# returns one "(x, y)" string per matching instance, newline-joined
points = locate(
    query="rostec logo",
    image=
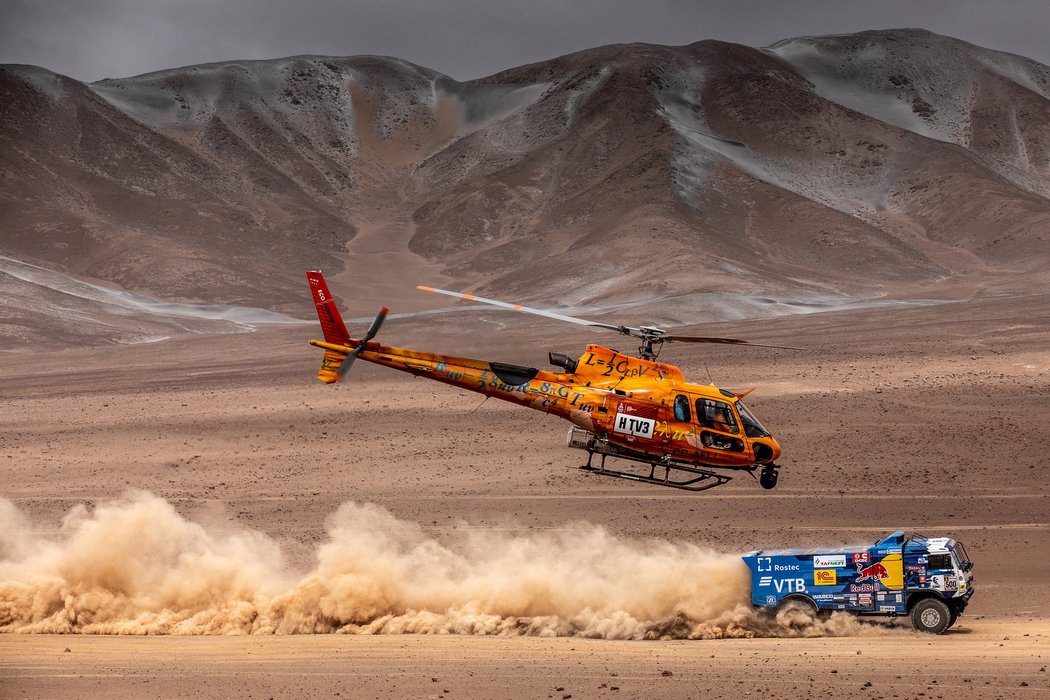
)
(861, 557)
(766, 564)
(829, 562)
(628, 425)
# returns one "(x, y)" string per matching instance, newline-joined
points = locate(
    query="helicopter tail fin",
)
(331, 322)
(331, 325)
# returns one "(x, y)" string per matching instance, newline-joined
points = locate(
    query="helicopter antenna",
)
(652, 338)
(708, 370)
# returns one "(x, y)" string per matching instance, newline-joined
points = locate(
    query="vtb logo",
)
(790, 585)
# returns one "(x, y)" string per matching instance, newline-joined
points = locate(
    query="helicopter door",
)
(718, 425)
(678, 428)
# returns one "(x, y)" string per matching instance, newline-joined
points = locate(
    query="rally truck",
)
(927, 578)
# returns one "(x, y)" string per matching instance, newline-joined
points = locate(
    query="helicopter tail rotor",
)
(345, 365)
(336, 363)
(339, 357)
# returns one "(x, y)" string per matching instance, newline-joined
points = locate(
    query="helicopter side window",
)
(681, 408)
(717, 415)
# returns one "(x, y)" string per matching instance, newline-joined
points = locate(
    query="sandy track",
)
(981, 659)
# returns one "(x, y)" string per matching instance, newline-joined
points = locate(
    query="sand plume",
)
(136, 566)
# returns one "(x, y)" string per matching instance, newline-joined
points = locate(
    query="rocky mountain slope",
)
(721, 179)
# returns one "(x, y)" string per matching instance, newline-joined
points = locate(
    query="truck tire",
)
(954, 618)
(931, 615)
(801, 602)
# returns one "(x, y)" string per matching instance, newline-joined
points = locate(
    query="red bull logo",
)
(872, 572)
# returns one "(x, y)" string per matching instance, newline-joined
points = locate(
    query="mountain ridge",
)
(889, 163)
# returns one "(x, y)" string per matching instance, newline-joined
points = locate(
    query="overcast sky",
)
(94, 39)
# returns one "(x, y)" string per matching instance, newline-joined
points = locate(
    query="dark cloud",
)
(464, 38)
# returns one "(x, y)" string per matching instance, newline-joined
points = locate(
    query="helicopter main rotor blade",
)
(724, 341)
(653, 335)
(527, 310)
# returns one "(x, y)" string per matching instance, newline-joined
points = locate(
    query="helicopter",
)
(634, 409)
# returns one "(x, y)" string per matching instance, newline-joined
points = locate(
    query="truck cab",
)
(929, 579)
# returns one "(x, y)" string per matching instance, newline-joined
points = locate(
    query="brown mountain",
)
(892, 163)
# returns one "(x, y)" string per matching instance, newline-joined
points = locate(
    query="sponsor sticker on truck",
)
(825, 577)
(829, 561)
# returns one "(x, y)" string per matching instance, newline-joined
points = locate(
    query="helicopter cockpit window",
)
(681, 408)
(716, 414)
(752, 428)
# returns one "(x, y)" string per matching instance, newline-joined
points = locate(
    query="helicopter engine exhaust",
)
(558, 359)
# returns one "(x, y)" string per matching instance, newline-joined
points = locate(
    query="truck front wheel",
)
(931, 615)
(799, 602)
(804, 604)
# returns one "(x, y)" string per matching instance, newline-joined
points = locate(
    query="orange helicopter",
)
(631, 408)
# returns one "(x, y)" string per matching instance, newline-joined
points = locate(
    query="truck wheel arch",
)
(916, 598)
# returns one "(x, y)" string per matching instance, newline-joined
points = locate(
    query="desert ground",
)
(249, 479)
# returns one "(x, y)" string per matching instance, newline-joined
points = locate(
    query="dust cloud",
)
(136, 566)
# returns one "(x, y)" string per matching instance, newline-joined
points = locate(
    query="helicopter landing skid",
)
(690, 479)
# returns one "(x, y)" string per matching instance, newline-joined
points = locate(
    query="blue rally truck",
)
(926, 578)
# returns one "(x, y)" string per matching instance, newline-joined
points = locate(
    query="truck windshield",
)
(752, 428)
(964, 560)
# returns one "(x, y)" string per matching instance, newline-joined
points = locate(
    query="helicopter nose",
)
(776, 448)
(767, 449)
